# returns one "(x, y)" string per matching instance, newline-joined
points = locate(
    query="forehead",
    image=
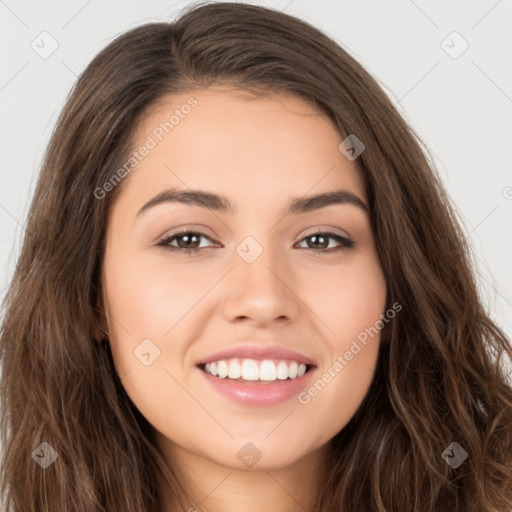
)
(249, 148)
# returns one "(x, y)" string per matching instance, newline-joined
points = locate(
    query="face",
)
(298, 285)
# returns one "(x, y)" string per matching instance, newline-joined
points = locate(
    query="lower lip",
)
(258, 393)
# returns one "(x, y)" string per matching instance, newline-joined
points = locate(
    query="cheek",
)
(340, 387)
(144, 303)
(349, 301)
(347, 298)
(148, 298)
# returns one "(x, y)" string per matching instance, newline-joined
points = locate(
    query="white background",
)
(461, 107)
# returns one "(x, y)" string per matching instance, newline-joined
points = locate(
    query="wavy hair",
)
(440, 377)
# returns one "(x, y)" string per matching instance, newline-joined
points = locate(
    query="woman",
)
(324, 349)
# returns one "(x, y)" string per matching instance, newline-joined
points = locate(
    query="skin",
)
(260, 153)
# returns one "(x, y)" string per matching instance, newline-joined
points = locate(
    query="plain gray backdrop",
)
(443, 63)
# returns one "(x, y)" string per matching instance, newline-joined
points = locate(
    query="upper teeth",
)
(250, 369)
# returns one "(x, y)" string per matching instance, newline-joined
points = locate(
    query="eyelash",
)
(345, 243)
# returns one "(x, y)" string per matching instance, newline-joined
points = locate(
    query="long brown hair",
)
(440, 378)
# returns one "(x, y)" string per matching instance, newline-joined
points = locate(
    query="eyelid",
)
(322, 229)
(328, 228)
(198, 228)
(182, 231)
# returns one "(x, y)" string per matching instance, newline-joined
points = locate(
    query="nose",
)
(263, 291)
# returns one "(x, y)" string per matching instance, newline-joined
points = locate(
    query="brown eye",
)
(189, 243)
(320, 240)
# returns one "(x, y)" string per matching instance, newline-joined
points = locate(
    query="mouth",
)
(257, 383)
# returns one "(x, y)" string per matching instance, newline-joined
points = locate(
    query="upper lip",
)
(256, 351)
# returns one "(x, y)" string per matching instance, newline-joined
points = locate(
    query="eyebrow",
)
(222, 204)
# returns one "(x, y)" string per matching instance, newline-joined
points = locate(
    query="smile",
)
(257, 383)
